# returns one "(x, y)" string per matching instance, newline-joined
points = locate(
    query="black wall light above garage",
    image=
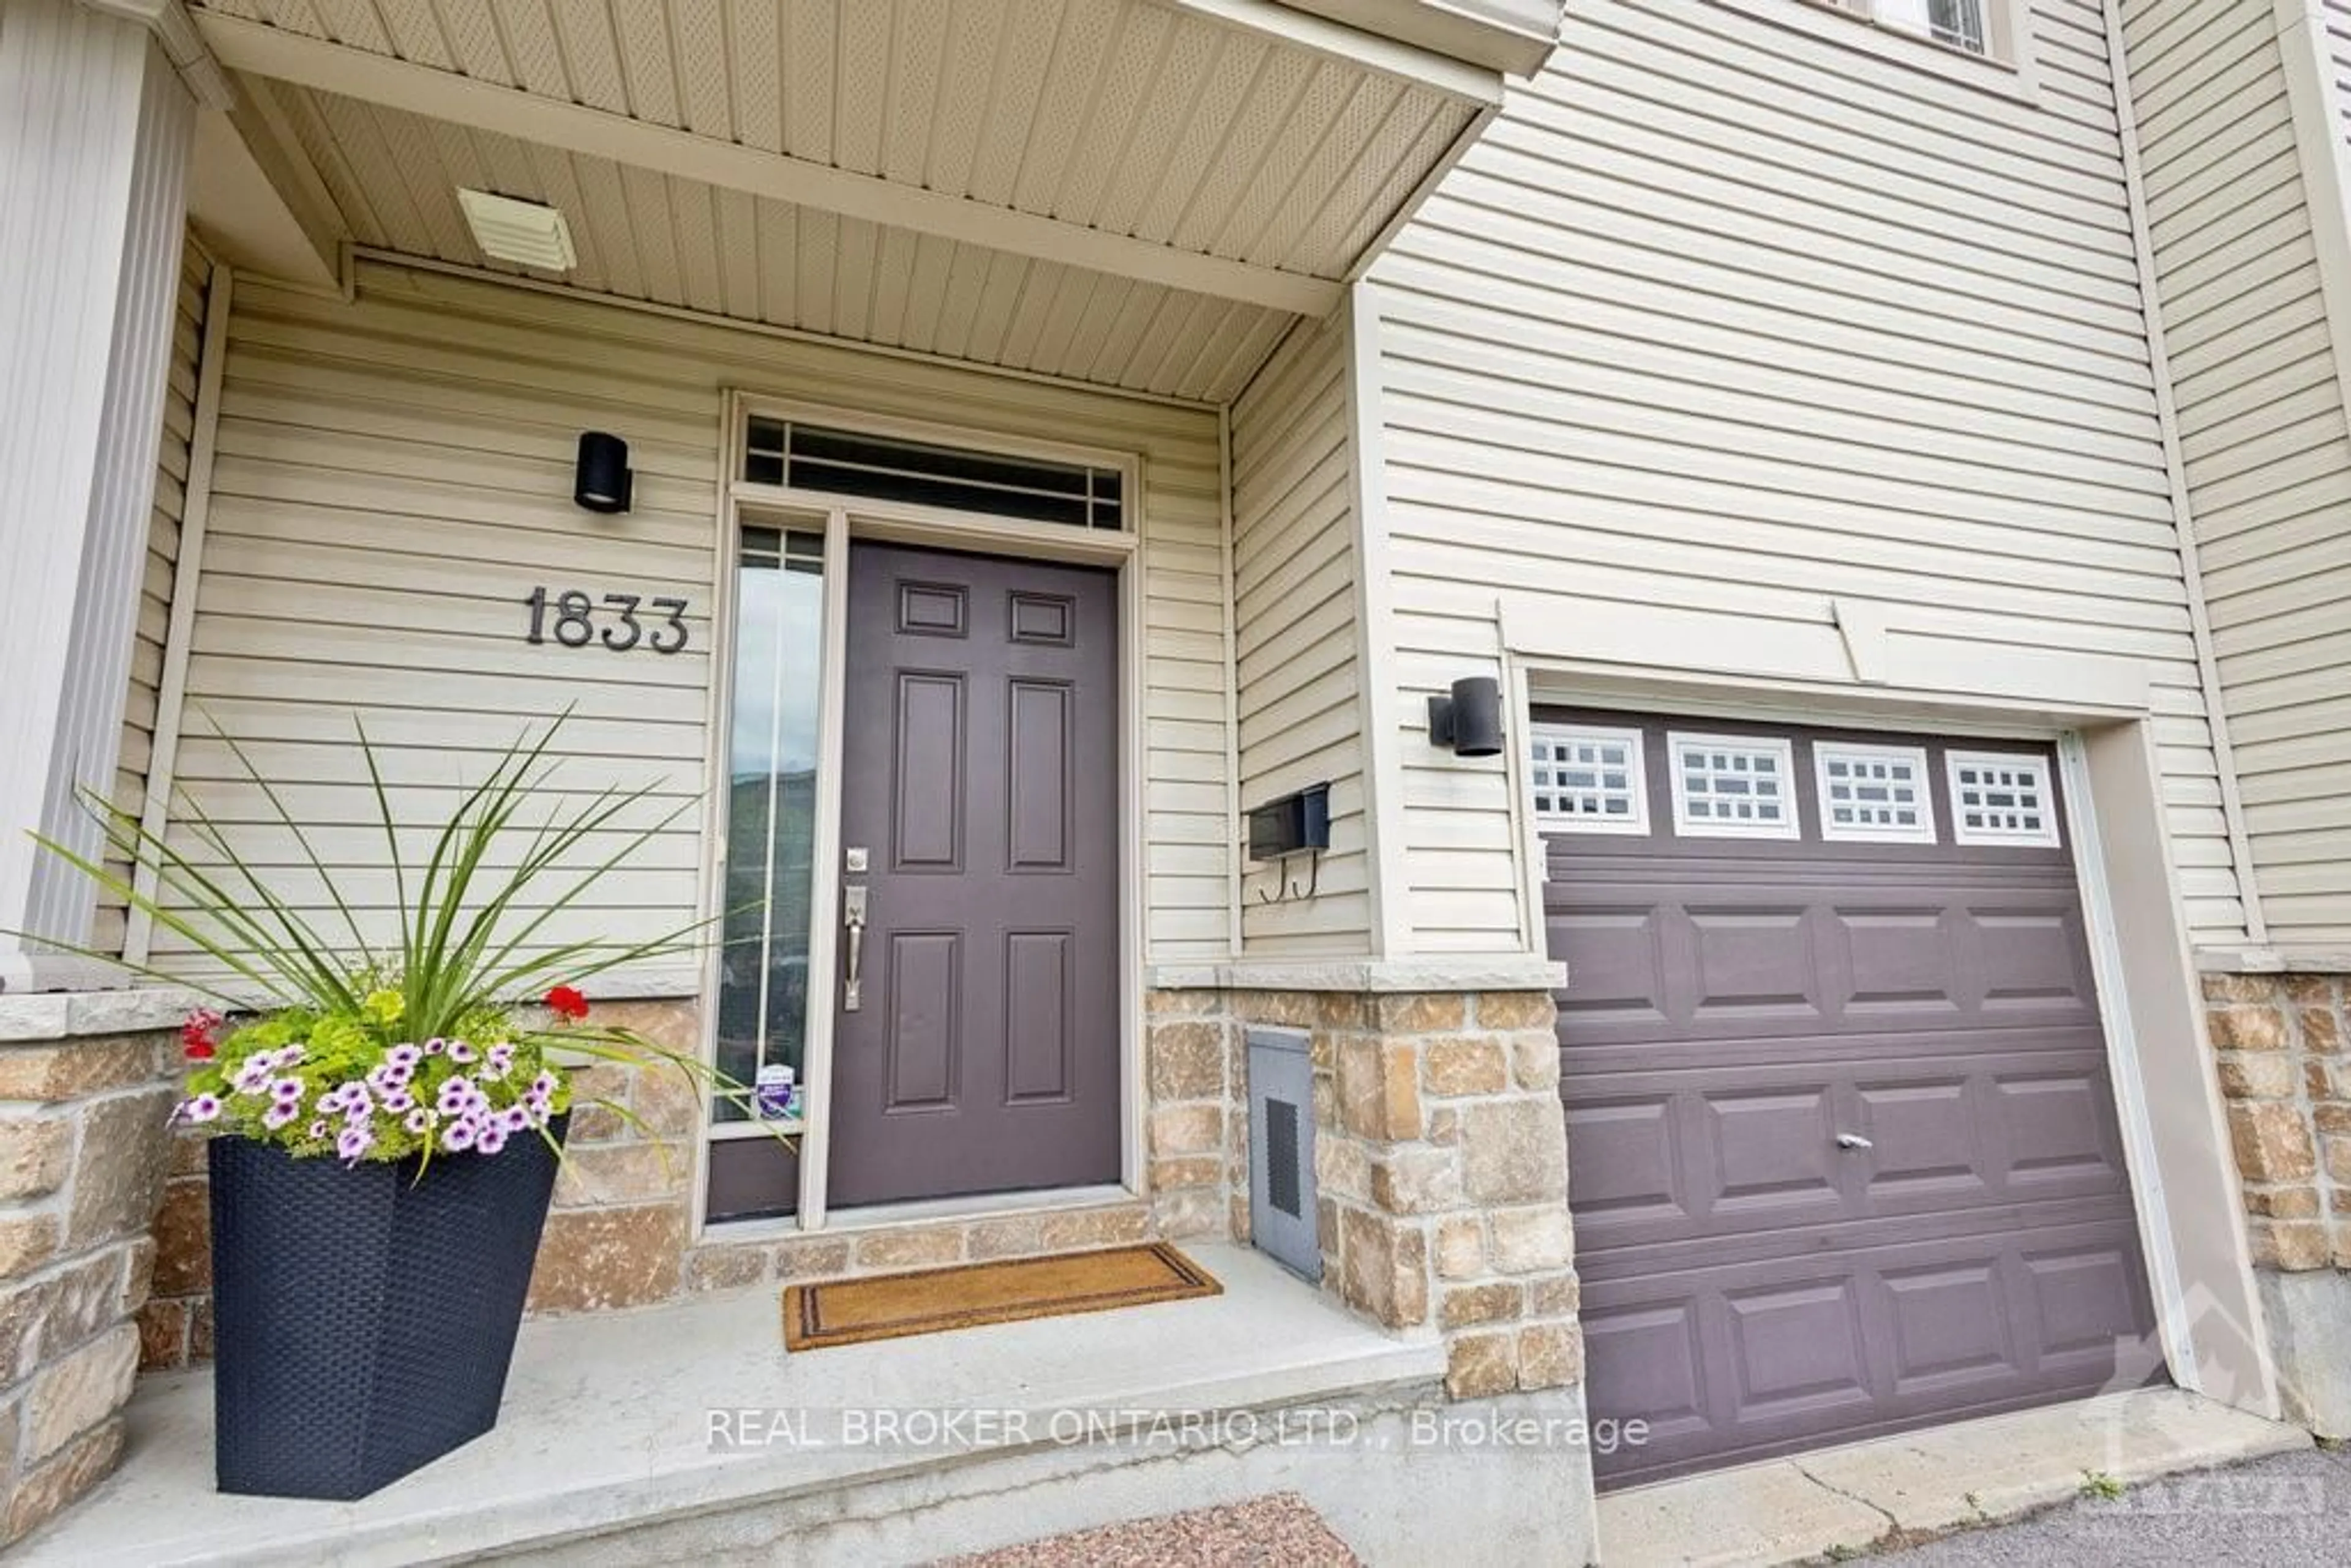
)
(1470, 721)
(602, 482)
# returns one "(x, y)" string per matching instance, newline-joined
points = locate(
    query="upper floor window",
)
(1961, 24)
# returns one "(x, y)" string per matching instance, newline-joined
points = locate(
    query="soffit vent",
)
(527, 234)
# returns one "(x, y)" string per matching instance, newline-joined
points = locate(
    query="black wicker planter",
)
(363, 1320)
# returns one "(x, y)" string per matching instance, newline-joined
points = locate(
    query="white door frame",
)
(842, 520)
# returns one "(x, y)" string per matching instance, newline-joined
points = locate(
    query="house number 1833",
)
(574, 620)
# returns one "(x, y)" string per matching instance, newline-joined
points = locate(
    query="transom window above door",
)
(803, 457)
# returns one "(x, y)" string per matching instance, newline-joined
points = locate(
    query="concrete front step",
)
(684, 1433)
(1841, 1500)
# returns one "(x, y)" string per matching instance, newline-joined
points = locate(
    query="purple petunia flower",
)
(201, 1108)
(355, 1141)
(279, 1114)
(456, 1095)
(458, 1135)
(399, 1100)
(419, 1120)
(404, 1057)
(285, 1091)
(316, 1129)
(514, 1119)
(253, 1076)
(543, 1085)
(493, 1138)
(435, 1047)
(462, 1053)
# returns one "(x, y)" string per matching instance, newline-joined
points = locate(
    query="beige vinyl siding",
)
(2266, 451)
(169, 509)
(1726, 315)
(2337, 64)
(394, 477)
(1294, 594)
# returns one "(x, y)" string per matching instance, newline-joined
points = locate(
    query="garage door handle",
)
(1854, 1141)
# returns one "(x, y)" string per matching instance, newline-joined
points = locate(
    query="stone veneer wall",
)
(2281, 1041)
(1440, 1162)
(621, 1232)
(83, 1147)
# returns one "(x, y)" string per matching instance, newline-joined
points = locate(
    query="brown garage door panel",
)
(1734, 1361)
(1742, 1147)
(1843, 1153)
(1802, 951)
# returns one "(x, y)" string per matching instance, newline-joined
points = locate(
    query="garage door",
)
(1842, 1152)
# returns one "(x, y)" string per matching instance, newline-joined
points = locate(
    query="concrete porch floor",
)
(1838, 1501)
(604, 1448)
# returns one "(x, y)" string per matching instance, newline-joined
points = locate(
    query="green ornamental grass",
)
(433, 1047)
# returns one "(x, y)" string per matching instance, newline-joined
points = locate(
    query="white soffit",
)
(1228, 153)
(646, 237)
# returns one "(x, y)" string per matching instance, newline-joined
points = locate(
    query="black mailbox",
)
(1292, 825)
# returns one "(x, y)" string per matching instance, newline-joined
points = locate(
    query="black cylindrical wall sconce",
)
(1470, 721)
(602, 481)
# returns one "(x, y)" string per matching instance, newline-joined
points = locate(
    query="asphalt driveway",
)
(2279, 1512)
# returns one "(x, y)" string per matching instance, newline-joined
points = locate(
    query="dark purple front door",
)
(980, 778)
(1843, 1153)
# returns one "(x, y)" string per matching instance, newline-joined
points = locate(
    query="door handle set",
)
(853, 925)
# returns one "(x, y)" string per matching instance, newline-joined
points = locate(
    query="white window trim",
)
(1792, 824)
(1636, 825)
(1915, 756)
(2050, 837)
(2011, 70)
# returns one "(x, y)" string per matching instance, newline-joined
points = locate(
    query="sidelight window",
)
(770, 792)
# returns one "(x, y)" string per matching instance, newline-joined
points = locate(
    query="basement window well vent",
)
(886, 468)
(527, 233)
(1281, 1150)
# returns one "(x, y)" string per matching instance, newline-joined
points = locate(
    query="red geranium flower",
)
(196, 1034)
(567, 1003)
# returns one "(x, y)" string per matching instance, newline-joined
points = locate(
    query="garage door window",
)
(1733, 787)
(1589, 780)
(2000, 797)
(1873, 794)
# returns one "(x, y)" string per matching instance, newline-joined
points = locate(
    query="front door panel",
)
(980, 777)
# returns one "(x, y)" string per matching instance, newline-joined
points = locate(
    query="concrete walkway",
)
(2282, 1513)
(1844, 1501)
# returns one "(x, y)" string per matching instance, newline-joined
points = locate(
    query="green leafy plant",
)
(2100, 1486)
(388, 1051)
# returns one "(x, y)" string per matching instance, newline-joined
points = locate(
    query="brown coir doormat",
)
(891, 1306)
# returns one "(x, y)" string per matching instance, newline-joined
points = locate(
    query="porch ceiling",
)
(644, 236)
(1133, 192)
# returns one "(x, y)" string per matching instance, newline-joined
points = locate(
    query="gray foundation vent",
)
(1281, 1150)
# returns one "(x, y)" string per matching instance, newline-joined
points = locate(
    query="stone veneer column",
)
(2285, 1072)
(83, 1147)
(2281, 1041)
(1441, 1163)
